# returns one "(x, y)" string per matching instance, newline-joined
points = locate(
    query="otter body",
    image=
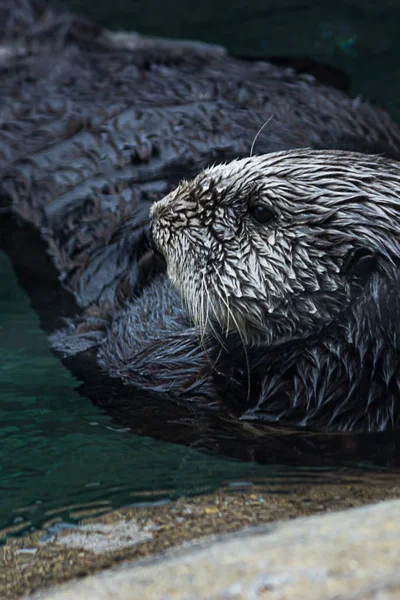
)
(96, 126)
(290, 263)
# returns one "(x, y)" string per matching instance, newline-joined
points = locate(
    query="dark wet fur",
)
(316, 307)
(92, 132)
(336, 381)
(346, 378)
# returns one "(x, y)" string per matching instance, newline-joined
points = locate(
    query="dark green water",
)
(58, 449)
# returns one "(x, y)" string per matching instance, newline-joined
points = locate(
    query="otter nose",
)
(157, 228)
(162, 223)
(161, 208)
(157, 219)
(156, 210)
(153, 238)
(169, 213)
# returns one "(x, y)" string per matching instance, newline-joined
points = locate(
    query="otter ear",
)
(360, 264)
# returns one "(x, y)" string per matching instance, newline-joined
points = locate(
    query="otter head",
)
(274, 246)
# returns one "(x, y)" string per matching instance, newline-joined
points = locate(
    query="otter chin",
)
(290, 263)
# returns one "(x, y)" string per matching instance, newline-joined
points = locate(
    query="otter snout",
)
(169, 221)
(159, 223)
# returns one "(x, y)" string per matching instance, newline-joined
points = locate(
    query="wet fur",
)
(95, 127)
(306, 307)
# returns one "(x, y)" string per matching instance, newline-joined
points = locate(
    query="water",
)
(60, 453)
(58, 449)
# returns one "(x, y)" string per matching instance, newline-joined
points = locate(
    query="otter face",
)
(264, 245)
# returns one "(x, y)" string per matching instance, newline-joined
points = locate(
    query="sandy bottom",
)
(39, 560)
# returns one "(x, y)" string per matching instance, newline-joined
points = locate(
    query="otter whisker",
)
(227, 306)
(200, 317)
(203, 311)
(202, 323)
(239, 332)
(210, 323)
(258, 133)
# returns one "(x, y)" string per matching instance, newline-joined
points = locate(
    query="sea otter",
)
(95, 127)
(291, 263)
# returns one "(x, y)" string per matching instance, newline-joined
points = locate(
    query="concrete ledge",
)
(347, 555)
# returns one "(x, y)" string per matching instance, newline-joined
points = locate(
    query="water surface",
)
(58, 449)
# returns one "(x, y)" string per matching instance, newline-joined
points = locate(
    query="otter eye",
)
(260, 214)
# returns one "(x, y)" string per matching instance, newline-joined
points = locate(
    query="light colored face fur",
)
(262, 245)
